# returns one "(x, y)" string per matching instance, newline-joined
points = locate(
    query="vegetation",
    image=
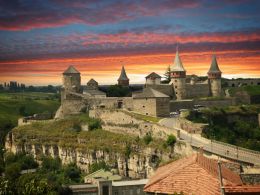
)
(118, 91)
(171, 140)
(50, 178)
(251, 90)
(97, 166)
(143, 117)
(148, 138)
(15, 105)
(236, 125)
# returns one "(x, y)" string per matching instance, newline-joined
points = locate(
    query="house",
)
(197, 175)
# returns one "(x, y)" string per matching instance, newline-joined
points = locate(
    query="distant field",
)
(15, 105)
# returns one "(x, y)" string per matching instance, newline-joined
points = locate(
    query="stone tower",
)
(123, 80)
(71, 80)
(214, 77)
(178, 77)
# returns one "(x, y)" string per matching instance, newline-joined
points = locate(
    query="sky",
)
(39, 39)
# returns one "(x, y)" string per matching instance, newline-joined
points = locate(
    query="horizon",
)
(39, 40)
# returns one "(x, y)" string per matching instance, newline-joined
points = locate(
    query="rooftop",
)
(214, 66)
(153, 75)
(71, 70)
(123, 76)
(177, 65)
(195, 174)
(150, 93)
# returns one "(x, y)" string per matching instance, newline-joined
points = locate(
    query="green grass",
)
(143, 117)
(62, 133)
(11, 104)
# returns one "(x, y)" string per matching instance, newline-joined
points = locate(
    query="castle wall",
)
(162, 107)
(146, 106)
(197, 90)
(238, 82)
(215, 87)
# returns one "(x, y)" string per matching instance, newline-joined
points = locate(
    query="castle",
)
(153, 100)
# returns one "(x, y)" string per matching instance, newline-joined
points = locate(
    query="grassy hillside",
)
(67, 133)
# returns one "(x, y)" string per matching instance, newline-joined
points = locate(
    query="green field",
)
(15, 105)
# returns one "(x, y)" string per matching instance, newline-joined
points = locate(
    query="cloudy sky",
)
(40, 38)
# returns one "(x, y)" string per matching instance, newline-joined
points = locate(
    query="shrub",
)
(95, 124)
(171, 140)
(51, 164)
(72, 172)
(12, 171)
(148, 138)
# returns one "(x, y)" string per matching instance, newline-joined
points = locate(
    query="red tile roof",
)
(193, 175)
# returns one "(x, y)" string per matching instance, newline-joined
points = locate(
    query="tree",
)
(12, 171)
(72, 172)
(118, 91)
(167, 75)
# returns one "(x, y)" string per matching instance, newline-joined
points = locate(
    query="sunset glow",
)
(39, 39)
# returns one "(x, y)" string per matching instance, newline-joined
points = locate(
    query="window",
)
(143, 106)
(175, 87)
(176, 92)
(175, 81)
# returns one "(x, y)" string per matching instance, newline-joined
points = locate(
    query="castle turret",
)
(123, 80)
(214, 77)
(71, 80)
(178, 77)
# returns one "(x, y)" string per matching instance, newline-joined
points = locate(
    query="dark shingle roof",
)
(92, 81)
(150, 93)
(71, 70)
(123, 76)
(214, 66)
(153, 75)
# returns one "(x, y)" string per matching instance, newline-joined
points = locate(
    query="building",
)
(123, 80)
(151, 102)
(153, 79)
(184, 90)
(92, 89)
(197, 175)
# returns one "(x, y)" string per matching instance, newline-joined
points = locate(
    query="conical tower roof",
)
(214, 66)
(71, 70)
(177, 65)
(123, 76)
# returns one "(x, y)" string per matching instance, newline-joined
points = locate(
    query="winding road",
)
(219, 148)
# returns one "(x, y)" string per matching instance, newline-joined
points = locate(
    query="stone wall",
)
(216, 102)
(197, 90)
(250, 179)
(121, 122)
(145, 106)
(239, 82)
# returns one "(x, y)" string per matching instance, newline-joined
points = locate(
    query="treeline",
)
(43, 89)
(49, 178)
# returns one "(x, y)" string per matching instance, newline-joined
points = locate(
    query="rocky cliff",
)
(128, 154)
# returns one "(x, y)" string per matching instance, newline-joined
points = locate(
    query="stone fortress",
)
(153, 100)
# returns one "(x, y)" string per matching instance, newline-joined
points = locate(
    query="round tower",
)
(178, 77)
(214, 77)
(71, 80)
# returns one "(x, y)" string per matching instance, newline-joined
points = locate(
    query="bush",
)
(51, 164)
(148, 138)
(72, 172)
(95, 124)
(12, 171)
(171, 140)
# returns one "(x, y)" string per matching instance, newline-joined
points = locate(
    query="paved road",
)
(215, 147)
